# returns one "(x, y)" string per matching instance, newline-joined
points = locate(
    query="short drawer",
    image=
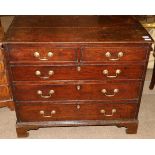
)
(90, 91)
(3, 78)
(114, 54)
(85, 72)
(4, 92)
(42, 54)
(58, 112)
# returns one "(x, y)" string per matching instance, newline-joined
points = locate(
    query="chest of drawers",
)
(76, 70)
(5, 93)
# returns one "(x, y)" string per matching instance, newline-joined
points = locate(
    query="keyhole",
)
(78, 87)
(78, 106)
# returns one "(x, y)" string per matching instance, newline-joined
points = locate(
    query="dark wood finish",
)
(74, 21)
(79, 45)
(76, 112)
(87, 91)
(23, 131)
(26, 53)
(98, 54)
(123, 35)
(131, 128)
(23, 128)
(87, 72)
(57, 29)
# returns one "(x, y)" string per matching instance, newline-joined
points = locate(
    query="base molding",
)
(22, 128)
(9, 104)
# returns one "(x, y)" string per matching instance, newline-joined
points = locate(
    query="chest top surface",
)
(77, 29)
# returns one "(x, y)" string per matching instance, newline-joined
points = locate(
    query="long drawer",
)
(85, 72)
(114, 54)
(89, 91)
(51, 112)
(42, 53)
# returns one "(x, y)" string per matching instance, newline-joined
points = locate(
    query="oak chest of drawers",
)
(76, 70)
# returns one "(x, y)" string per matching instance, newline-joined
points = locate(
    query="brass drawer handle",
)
(42, 112)
(119, 55)
(37, 55)
(39, 92)
(106, 72)
(38, 73)
(104, 91)
(102, 111)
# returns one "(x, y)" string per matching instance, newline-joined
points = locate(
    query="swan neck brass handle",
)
(106, 72)
(42, 112)
(38, 73)
(39, 92)
(119, 55)
(104, 91)
(102, 111)
(37, 55)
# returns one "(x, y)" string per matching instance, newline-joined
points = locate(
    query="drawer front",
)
(4, 92)
(43, 54)
(114, 54)
(58, 112)
(92, 72)
(3, 78)
(100, 91)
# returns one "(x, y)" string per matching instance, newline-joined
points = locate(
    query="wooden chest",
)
(76, 70)
(5, 93)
